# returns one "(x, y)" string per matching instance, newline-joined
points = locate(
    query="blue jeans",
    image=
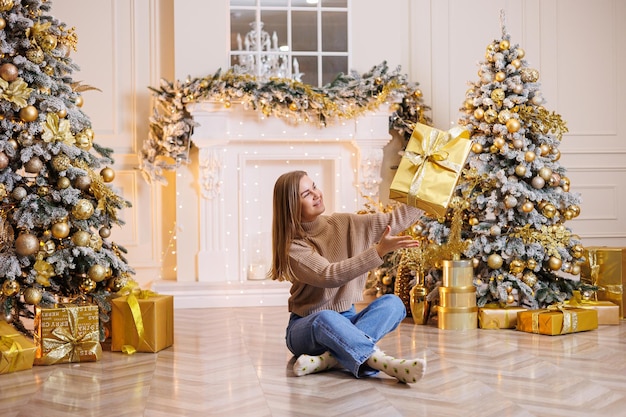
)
(349, 336)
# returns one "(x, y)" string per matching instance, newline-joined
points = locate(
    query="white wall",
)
(577, 45)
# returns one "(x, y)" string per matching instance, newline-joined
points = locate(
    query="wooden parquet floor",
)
(233, 362)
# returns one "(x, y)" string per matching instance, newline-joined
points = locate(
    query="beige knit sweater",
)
(332, 263)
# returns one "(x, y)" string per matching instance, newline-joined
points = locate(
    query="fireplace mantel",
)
(224, 196)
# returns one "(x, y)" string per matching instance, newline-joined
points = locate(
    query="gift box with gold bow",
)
(430, 168)
(67, 332)
(17, 352)
(557, 319)
(495, 316)
(605, 267)
(608, 312)
(142, 321)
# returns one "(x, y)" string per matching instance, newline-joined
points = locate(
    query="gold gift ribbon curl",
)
(67, 343)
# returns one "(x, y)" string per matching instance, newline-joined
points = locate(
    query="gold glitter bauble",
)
(87, 285)
(35, 55)
(83, 141)
(26, 244)
(6, 5)
(83, 209)
(48, 247)
(115, 284)
(529, 279)
(578, 251)
(32, 295)
(516, 266)
(81, 238)
(63, 183)
(503, 116)
(19, 193)
(29, 114)
(97, 272)
(494, 261)
(529, 75)
(107, 174)
(531, 264)
(554, 263)
(61, 162)
(47, 42)
(43, 191)
(10, 287)
(60, 230)
(95, 242)
(34, 165)
(25, 138)
(491, 115)
(549, 210)
(497, 95)
(8, 72)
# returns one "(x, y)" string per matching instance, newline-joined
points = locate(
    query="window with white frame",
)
(306, 40)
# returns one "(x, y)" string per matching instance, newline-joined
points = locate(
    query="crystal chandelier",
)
(261, 56)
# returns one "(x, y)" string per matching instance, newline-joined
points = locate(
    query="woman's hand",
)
(389, 243)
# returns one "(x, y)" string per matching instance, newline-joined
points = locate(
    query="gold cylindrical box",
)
(458, 273)
(457, 318)
(420, 306)
(457, 296)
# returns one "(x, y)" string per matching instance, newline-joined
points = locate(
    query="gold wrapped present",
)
(430, 168)
(142, 322)
(17, 352)
(67, 333)
(556, 320)
(457, 318)
(608, 312)
(495, 316)
(605, 267)
(457, 296)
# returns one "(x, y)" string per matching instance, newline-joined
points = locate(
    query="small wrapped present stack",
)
(142, 321)
(457, 297)
(67, 332)
(17, 352)
(605, 267)
(430, 168)
(496, 316)
(557, 319)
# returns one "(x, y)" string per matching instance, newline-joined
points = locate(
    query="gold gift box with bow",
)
(17, 352)
(557, 320)
(142, 322)
(67, 333)
(608, 312)
(605, 267)
(494, 316)
(430, 168)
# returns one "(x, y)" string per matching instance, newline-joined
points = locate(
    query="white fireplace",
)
(224, 197)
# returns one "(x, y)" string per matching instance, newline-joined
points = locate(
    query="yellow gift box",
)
(430, 168)
(17, 352)
(494, 316)
(142, 322)
(605, 267)
(557, 320)
(457, 318)
(608, 312)
(67, 333)
(457, 296)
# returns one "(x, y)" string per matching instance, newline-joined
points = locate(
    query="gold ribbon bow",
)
(133, 293)
(570, 319)
(66, 344)
(11, 350)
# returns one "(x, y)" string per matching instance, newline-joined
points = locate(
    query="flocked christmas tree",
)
(516, 196)
(56, 206)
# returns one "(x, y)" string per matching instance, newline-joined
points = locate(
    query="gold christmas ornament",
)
(477, 147)
(499, 142)
(293, 106)
(516, 266)
(26, 244)
(95, 242)
(529, 279)
(529, 156)
(545, 149)
(33, 165)
(513, 125)
(48, 70)
(13, 143)
(518, 143)
(473, 221)
(115, 284)
(32, 295)
(87, 285)
(510, 201)
(479, 113)
(518, 88)
(503, 116)
(554, 263)
(500, 76)
(63, 183)
(97, 273)
(82, 182)
(62, 113)
(83, 209)
(575, 269)
(520, 170)
(529, 75)
(4, 160)
(545, 173)
(107, 174)
(83, 141)
(520, 53)
(48, 247)
(60, 230)
(495, 230)
(549, 210)
(568, 215)
(19, 193)
(555, 179)
(527, 207)
(47, 42)
(79, 101)
(491, 115)
(8, 72)
(386, 280)
(10, 287)
(104, 232)
(43, 191)
(35, 55)
(575, 210)
(556, 154)
(531, 264)
(3, 23)
(25, 138)
(497, 95)
(504, 45)
(510, 299)
(494, 261)
(81, 238)
(29, 114)
(6, 5)
(61, 162)
(475, 262)
(516, 63)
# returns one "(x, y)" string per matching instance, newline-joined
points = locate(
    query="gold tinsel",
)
(543, 121)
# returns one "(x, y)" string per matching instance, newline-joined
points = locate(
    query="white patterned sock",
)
(307, 364)
(404, 370)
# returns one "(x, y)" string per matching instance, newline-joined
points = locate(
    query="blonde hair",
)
(286, 223)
